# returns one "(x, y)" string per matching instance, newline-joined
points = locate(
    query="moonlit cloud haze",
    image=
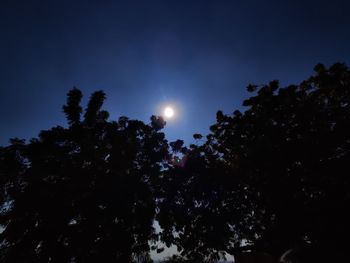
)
(201, 54)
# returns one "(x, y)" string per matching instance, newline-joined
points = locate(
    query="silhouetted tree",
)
(83, 193)
(73, 109)
(273, 177)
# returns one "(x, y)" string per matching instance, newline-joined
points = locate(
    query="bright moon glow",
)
(168, 112)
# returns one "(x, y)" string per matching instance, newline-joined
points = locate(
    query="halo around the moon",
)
(169, 112)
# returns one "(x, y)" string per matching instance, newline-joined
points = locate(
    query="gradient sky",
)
(199, 54)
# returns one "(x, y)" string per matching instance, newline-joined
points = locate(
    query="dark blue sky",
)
(200, 54)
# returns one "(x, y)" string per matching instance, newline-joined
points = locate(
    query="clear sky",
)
(199, 54)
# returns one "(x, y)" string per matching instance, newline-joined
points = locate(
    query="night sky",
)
(199, 55)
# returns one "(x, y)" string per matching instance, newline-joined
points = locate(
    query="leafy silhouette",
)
(82, 193)
(73, 109)
(267, 183)
(269, 179)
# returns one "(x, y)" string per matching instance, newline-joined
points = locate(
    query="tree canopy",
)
(83, 193)
(269, 178)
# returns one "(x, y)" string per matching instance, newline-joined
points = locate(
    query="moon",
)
(169, 112)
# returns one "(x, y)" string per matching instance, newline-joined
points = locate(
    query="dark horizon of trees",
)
(271, 178)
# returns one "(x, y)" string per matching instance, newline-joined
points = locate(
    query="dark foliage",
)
(270, 179)
(82, 193)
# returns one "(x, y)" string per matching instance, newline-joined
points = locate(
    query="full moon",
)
(168, 112)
